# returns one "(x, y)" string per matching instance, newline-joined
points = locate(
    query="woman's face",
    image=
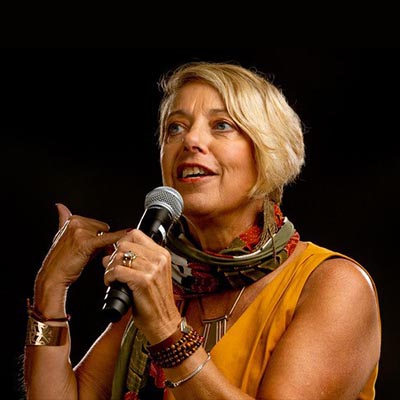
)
(205, 156)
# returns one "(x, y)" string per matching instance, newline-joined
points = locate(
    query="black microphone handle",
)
(155, 223)
(118, 299)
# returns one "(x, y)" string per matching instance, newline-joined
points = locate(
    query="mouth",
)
(193, 171)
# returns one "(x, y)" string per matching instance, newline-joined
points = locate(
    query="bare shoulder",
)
(342, 282)
(342, 271)
(333, 339)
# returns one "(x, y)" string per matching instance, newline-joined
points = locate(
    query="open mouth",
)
(193, 171)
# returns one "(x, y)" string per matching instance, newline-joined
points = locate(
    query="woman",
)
(235, 305)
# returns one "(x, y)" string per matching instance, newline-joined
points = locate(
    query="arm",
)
(156, 315)
(333, 343)
(96, 369)
(48, 373)
(328, 351)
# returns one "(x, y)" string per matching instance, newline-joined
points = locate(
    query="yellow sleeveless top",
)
(242, 355)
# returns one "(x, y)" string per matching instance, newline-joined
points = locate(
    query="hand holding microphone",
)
(163, 206)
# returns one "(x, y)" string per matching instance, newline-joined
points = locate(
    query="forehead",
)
(195, 95)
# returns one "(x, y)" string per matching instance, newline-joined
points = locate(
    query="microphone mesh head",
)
(167, 197)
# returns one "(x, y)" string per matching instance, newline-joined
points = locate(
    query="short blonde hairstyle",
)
(258, 108)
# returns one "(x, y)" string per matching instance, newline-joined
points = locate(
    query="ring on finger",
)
(128, 257)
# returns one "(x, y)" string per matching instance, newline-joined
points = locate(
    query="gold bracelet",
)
(41, 334)
(174, 385)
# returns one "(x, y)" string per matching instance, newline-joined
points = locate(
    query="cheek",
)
(250, 163)
(243, 160)
(166, 168)
(244, 166)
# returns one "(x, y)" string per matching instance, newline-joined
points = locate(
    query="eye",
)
(174, 132)
(174, 129)
(225, 129)
(223, 126)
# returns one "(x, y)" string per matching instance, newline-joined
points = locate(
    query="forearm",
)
(48, 372)
(208, 383)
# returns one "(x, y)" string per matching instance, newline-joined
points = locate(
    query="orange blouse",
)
(242, 354)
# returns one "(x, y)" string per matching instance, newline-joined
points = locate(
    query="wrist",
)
(163, 330)
(188, 369)
(40, 317)
(182, 328)
(49, 300)
(43, 334)
(173, 350)
(192, 374)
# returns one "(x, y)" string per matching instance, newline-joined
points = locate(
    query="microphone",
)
(163, 206)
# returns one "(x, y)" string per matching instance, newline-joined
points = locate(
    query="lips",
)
(193, 171)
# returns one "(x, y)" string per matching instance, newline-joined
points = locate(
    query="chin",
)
(197, 206)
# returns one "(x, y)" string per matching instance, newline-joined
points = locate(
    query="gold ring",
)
(100, 233)
(127, 258)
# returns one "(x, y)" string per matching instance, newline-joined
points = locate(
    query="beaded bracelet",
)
(166, 343)
(179, 351)
(174, 350)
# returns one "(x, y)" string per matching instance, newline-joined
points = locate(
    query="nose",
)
(196, 139)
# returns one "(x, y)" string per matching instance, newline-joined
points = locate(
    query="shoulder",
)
(344, 272)
(333, 339)
(340, 282)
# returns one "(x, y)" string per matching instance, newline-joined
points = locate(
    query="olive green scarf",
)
(195, 273)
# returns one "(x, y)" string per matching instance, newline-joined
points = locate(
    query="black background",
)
(78, 127)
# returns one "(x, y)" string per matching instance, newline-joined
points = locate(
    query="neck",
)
(216, 233)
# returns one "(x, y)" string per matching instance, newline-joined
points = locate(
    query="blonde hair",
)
(258, 108)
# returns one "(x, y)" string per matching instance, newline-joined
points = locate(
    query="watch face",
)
(185, 328)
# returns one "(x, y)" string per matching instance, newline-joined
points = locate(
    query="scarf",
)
(196, 272)
(252, 255)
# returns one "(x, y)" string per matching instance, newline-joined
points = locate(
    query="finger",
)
(144, 248)
(139, 237)
(109, 258)
(63, 214)
(107, 239)
(121, 274)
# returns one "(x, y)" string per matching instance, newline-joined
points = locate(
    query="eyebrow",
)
(210, 112)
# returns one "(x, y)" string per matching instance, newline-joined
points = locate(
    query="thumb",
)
(63, 214)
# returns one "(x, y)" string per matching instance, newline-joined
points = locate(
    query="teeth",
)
(188, 171)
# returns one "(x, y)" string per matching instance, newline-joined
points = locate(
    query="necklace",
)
(215, 328)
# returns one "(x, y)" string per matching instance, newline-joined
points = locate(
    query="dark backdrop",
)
(78, 127)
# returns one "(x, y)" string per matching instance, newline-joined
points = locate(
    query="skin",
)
(207, 137)
(327, 352)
